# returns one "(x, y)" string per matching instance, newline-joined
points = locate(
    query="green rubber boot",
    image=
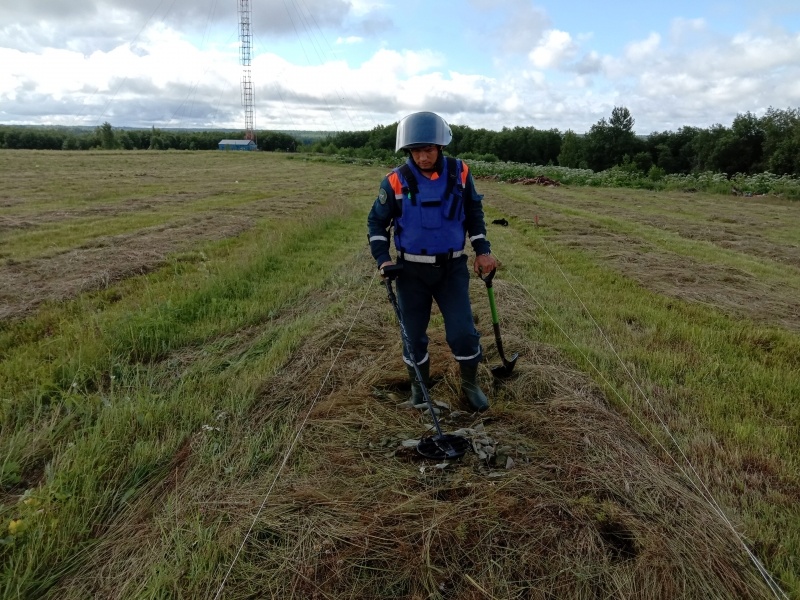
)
(417, 399)
(469, 385)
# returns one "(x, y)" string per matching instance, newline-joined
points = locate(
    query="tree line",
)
(106, 137)
(750, 145)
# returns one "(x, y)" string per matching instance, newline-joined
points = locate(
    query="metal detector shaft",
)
(423, 387)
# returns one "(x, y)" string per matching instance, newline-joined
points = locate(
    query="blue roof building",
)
(237, 145)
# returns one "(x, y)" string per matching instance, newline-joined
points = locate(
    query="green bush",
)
(656, 173)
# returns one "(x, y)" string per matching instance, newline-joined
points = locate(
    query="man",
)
(432, 206)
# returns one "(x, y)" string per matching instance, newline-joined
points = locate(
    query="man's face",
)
(425, 158)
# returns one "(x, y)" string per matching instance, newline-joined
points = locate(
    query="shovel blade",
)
(504, 370)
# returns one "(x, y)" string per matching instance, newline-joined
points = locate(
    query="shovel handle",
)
(492, 307)
(487, 279)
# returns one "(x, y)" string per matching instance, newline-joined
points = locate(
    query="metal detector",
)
(442, 445)
(505, 369)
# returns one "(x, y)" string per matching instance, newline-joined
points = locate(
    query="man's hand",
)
(484, 264)
(386, 264)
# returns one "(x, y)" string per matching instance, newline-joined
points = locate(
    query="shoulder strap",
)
(454, 182)
(412, 187)
(453, 174)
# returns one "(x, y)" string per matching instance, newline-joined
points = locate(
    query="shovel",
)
(504, 370)
(441, 445)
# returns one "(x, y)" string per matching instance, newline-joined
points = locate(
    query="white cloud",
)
(644, 49)
(361, 8)
(403, 64)
(555, 48)
(751, 52)
(522, 24)
(511, 65)
(588, 64)
(681, 28)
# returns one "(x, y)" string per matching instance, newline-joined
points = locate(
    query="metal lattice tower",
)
(246, 39)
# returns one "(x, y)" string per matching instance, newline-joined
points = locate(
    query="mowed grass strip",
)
(209, 183)
(146, 319)
(42, 181)
(660, 237)
(701, 215)
(100, 393)
(724, 387)
(113, 399)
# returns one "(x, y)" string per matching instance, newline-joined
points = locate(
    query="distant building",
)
(237, 145)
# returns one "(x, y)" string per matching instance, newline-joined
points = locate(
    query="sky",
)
(347, 65)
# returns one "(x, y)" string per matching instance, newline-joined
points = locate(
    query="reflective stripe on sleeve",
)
(378, 238)
(480, 236)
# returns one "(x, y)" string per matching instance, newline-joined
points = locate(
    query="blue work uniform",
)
(430, 227)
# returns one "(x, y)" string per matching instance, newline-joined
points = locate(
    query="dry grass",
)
(583, 510)
(306, 489)
(739, 255)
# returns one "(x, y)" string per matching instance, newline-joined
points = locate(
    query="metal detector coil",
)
(443, 446)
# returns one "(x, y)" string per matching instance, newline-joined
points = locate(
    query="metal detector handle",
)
(392, 272)
(440, 445)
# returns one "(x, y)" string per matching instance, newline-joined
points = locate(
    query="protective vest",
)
(431, 219)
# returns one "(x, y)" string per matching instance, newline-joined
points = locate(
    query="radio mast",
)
(246, 40)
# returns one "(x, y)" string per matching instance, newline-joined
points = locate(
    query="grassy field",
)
(200, 372)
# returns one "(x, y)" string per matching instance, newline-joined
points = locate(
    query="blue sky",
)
(357, 64)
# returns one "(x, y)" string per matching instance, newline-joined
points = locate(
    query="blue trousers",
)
(417, 287)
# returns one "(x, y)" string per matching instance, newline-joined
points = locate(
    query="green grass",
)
(724, 386)
(142, 424)
(99, 403)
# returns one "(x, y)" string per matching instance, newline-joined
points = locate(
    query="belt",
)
(431, 259)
